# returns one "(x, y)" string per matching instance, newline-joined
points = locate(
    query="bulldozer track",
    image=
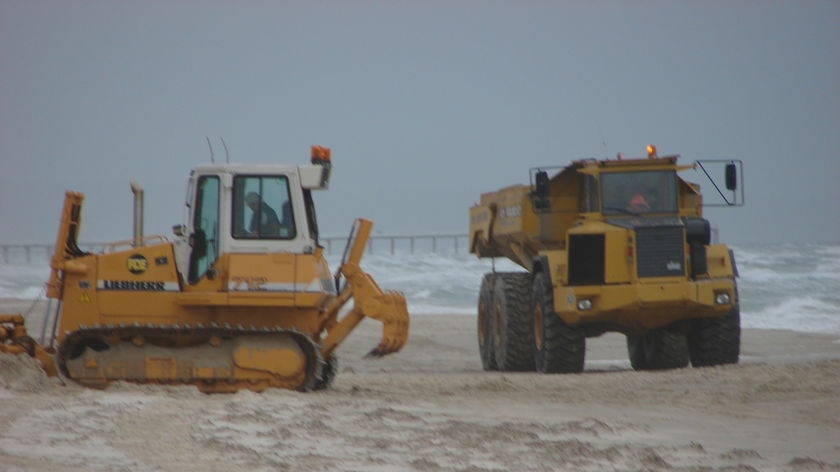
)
(102, 337)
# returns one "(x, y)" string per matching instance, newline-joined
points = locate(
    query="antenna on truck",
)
(603, 139)
(212, 157)
(227, 154)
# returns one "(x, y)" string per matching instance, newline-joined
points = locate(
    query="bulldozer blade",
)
(15, 340)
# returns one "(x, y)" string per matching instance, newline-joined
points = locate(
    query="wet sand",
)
(432, 408)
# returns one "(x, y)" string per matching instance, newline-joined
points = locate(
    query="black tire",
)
(659, 349)
(513, 334)
(327, 373)
(558, 347)
(485, 323)
(716, 341)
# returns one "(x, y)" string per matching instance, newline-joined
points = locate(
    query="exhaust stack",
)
(138, 213)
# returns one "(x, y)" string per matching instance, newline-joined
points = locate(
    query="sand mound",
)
(20, 373)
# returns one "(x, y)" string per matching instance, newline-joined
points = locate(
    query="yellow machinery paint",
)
(226, 305)
(607, 245)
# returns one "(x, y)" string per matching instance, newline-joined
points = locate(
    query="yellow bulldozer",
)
(241, 298)
(613, 245)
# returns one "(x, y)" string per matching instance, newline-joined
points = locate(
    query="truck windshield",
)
(639, 192)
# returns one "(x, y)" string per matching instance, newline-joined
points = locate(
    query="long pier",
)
(26, 253)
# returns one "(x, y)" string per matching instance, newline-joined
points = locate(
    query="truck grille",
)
(586, 259)
(660, 251)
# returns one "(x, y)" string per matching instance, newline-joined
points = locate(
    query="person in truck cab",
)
(638, 203)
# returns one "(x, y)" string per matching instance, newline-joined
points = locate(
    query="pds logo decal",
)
(137, 264)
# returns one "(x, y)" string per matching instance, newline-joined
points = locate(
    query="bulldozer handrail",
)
(111, 247)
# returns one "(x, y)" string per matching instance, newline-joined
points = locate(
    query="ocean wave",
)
(805, 314)
(22, 281)
(785, 286)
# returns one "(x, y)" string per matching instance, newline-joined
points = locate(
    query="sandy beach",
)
(432, 408)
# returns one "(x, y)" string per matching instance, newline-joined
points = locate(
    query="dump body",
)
(619, 245)
(242, 298)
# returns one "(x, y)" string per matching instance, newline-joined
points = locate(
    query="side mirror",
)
(540, 197)
(541, 184)
(731, 176)
(179, 230)
(733, 181)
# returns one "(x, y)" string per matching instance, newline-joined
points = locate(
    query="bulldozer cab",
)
(248, 209)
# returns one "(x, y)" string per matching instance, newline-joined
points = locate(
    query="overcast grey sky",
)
(424, 104)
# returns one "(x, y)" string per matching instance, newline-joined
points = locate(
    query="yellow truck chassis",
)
(611, 245)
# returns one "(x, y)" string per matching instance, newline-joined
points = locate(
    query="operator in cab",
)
(264, 221)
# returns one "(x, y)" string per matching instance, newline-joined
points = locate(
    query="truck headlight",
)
(584, 304)
(722, 298)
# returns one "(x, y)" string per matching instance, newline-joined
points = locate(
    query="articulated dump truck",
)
(242, 298)
(606, 246)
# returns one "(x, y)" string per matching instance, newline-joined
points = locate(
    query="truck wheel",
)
(558, 347)
(658, 350)
(485, 324)
(513, 336)
(715, 341)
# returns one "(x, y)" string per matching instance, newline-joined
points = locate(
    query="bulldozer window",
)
(205, 237)
(262, 208)
(639, 192)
